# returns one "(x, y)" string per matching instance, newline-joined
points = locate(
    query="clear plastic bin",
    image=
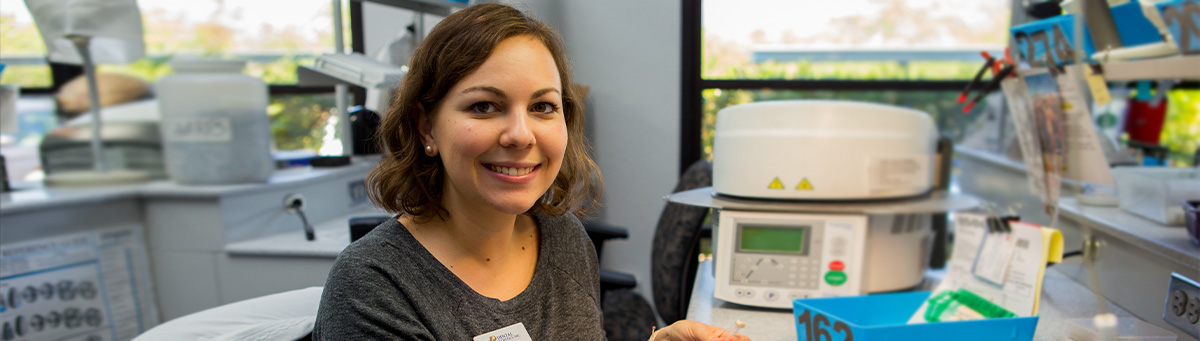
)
(1156, 193)
(214, 124)
(1128, 329)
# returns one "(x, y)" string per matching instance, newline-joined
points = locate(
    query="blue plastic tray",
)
(1176, 15)
(1051, 36)
(885, 317)
(1056, 36)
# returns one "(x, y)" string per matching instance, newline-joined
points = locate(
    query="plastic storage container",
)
(1171, 11)
(1156, 192)
(1128, 329)
(214, 124)
(1040, 38)
(885, 317)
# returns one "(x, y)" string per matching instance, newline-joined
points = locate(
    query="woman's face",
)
(500, 131)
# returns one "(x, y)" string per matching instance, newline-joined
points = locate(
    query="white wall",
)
(627, 52)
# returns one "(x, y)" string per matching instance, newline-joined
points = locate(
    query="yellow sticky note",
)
(1099, 88)
(1052, 247)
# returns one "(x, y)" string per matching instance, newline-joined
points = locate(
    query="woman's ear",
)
(425, 128)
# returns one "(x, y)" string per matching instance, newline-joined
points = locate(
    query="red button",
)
(837, 265)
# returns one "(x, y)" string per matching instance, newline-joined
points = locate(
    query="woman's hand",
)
(685, 330)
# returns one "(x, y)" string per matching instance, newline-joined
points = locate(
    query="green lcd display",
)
(773, 238)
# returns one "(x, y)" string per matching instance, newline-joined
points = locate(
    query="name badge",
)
(514, 332)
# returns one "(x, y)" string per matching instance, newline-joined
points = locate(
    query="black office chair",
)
(609, 280)
(676, 249)
(360, 226)
(627, 315)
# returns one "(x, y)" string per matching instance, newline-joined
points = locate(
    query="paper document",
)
(90, 286)
(1042, 129)
(1085, 158)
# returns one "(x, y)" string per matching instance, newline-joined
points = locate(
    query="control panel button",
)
(770, 295)
(837, 265)
(835, 278)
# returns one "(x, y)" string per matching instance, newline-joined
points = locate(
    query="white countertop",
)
(1062, 299)
(331, 237)
(37, 197)
(1170, 242)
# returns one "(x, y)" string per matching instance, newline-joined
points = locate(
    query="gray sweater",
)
(387, 286)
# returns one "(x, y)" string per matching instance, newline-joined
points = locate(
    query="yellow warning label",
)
(775, 184)
(804, 185)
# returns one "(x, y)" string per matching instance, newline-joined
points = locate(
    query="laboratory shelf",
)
(1177, 67)
(1169, 242)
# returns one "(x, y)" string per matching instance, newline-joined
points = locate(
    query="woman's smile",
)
(514, 173)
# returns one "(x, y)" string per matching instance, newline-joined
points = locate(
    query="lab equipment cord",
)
(297, 206)
(1066, 255)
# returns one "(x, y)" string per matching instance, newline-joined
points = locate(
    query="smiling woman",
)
(486, 166)
(452, 77)
(503, 137)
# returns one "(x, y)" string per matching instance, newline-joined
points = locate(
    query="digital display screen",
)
(773, 238)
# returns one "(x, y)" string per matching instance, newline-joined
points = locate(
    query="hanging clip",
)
(989, 63)
(987, 88)
(1001, 224)
(1055, 69)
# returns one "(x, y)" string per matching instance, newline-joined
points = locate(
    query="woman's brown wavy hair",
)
(407, 181)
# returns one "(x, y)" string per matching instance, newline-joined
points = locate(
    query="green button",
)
(835, 278)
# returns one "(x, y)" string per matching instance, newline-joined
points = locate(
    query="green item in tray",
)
(962, 304)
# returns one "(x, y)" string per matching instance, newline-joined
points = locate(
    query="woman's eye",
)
(544, 107)
(484, 107)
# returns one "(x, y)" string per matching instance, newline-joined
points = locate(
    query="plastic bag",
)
(114, 25)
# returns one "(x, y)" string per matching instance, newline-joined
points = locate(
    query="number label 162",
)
(817, 327)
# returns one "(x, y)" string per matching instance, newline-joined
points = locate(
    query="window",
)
(854, 39)
(23, 53)
(917, 54)
(911, 53)
(274, 37)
